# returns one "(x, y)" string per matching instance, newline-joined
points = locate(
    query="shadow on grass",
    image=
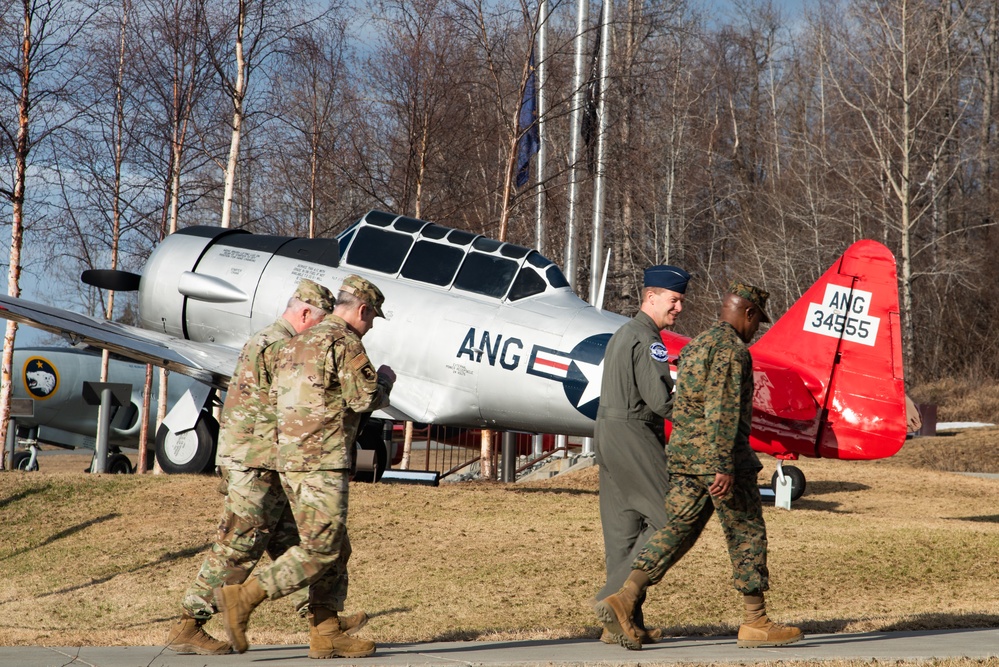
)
(165, 558)
(987, 518)
(23, 494)
(63, 534)
(822, 487)
(389, 612)
(551, 490)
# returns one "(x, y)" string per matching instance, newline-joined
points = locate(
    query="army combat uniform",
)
(635, 397)
(323, 383)
(255, 516)
(712, 417)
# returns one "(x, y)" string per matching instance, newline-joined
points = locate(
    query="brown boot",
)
(757, 630)
(615, 611)
(645, 635)
(237, 602)
(351, 624)
(186, 636)
(328, 640)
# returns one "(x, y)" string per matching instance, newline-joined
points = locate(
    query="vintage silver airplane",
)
(489, 334)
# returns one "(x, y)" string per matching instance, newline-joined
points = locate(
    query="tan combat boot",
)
(328, 640)
(354, 622)
(237, 602)
(757, 630)
(645, 634)
(186, 636)
(615, 611)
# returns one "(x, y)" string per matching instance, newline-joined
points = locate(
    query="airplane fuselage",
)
(481, 333)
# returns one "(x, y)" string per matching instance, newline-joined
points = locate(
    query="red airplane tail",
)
(829, 376)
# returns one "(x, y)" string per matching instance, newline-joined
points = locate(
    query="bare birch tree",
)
(37, 39)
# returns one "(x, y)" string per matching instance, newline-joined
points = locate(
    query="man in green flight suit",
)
(712, 469)
(323, 383)
(255, 516)
(636, 395)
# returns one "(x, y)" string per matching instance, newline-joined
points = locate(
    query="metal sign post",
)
(106, 395)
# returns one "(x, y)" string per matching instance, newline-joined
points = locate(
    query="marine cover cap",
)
(365, 291)
(668, 277)
(315, 295)
(755, 295)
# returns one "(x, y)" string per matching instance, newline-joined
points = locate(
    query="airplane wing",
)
(209, 363)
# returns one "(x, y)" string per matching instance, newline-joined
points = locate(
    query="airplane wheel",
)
(190, 452)
(22, 460)
(797, 481)
(118, 464)
(371, 438)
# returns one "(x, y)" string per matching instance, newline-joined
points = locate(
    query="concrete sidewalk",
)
(972, 643)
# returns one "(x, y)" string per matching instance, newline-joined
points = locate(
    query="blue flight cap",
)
(668, 277)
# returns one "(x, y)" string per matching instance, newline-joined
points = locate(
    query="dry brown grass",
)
(960, 400)
(885, 545)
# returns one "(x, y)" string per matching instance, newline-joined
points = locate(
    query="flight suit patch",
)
(658, 352)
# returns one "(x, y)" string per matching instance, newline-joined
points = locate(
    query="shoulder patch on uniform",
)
(658, 352)
(358, 362)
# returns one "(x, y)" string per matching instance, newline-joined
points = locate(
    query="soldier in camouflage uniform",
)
(255, 517)
(712, 469)
(323, 382)
(636, 395)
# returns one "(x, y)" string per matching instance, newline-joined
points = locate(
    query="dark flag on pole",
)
(527, 145)
(590, 119)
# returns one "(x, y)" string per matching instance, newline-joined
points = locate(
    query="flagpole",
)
(575, 143)
(542, 72)
(539, 226)
(599, 191)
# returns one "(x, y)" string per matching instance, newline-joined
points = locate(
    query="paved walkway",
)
(882, 646)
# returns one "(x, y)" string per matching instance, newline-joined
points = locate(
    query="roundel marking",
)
(589, 351)
(41, 379)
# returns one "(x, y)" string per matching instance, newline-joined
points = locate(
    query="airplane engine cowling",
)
(217, 285)
(161, 304)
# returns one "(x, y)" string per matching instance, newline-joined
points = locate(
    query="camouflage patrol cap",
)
(365, 291)
(755, 295)
(315, 295)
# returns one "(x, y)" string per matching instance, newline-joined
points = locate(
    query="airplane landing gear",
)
(797, 481)
(372, 440)
(24, 461)
(118, 464)
(191, 451)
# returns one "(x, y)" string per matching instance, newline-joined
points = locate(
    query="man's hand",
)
(722, 485)
(387, 374)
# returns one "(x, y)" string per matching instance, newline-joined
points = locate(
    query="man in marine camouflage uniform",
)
(712, 468)
(636, 395)
(255, 517)
(323, 382)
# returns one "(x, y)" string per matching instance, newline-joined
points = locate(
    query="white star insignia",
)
(594, 374)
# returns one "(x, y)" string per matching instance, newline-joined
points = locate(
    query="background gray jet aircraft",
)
(52, 378)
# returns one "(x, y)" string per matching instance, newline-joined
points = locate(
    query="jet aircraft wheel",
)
(191, 451)
(22, 460)
(371, 438)
(118, 464)
(797, 481)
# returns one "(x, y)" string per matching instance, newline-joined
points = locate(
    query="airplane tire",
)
(371, 438)
(191, 452)
(118, 464)
(21, 461)
(797, 481)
